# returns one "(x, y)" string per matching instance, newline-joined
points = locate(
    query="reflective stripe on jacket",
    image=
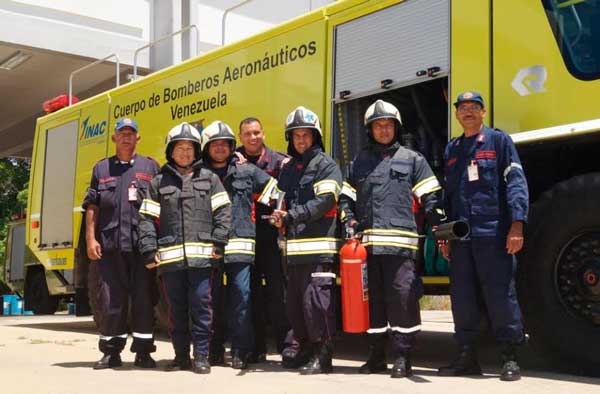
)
(312, 184)
(246, 185)
(194, 214)
(379, 195)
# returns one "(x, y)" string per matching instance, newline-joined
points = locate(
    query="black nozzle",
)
(458, 229)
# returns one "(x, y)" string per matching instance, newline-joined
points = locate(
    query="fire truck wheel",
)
(37, 296)
(559, 274)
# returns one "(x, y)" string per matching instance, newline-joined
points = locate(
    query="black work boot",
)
(320, 361)
(256, 358)
(510, 368)
(465, 364)
(402, 367)
(201, 365)
(217, 358)
(109, 360)
(144, 360)
(239, 361)
(291, 358)
(182, 363)
(376, 360)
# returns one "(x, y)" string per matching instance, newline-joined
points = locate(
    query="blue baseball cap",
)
(126, 122)
(469, 96)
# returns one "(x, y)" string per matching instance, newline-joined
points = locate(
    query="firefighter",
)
(312, 182)
(377, 200)
(267, 266)
(193, 212)
(246, 185)
(485, 186)
(116, 273)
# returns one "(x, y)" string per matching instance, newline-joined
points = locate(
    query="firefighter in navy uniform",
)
(246, 184)
(116, 272)
(485, 186)
(377, 200)
(193, 213)
(312, 182)
(267, 266)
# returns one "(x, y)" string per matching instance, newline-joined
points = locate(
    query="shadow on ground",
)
(432, 350)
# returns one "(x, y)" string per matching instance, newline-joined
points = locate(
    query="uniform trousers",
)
(268, 297)
(394, 292)
(188, 294)
(113, 280)
(233, 310)
(310, 302)
(482, 275)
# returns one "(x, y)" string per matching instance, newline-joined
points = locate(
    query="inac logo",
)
(91, 130)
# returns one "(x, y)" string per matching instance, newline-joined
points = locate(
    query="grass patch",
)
(435, 303)
(64, 343)
(38, 341)
(69, 342)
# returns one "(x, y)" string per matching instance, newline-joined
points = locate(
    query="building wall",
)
(94, 29)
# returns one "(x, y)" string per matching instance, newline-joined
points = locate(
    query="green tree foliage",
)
(14, 175)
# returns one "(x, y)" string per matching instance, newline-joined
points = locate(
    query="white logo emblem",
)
(530, 80)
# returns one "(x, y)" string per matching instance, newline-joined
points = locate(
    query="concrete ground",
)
(54, 355)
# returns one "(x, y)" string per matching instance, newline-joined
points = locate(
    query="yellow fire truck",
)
(536, 62)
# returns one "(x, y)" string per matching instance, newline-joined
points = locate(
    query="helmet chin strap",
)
(182, 169)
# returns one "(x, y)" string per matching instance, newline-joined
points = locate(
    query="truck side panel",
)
(266, 80)
(470, 53)
(533, 88)
(91, 137)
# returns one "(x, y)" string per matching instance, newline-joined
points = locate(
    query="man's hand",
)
(218, 251)
(445, 249)
(350, 227)
(155, 263)
(277, 218)
(94, 250)
(514, 240)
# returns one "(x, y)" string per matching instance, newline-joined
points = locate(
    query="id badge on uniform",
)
(472, 171)
(132, 193)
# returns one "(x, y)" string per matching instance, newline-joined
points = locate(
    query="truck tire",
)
(37, 296)
(559, 274)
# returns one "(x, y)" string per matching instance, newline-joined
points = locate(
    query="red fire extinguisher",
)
(355, 287)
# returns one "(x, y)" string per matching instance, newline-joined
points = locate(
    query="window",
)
(577, 32)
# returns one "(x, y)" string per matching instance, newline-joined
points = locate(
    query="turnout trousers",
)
(482, 275)
(188, 294)
(113, 281)
(268, 295)
(310, 301)
(394, 292)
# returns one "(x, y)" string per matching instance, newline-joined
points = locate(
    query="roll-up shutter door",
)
(396, 43)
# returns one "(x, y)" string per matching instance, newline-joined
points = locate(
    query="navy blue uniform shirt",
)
(498, 196)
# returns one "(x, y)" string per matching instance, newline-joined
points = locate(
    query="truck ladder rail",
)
(118, 72)
(161, 39)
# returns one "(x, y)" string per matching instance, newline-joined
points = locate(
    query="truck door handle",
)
(385, 84)
(344, 94)
(432, 71)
